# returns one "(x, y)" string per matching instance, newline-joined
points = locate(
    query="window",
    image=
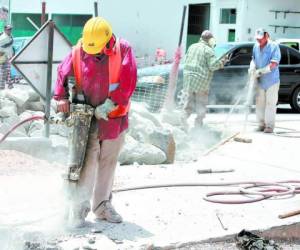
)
(284, 56)
(71, 25)
(294, 57)
(293, 45)
(231, 35)
(228, 16)
(241, 56)
(22, 25)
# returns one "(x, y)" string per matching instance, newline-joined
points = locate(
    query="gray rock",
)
(7, 108)
(9, 122)
(39, 147)
(141, 153)
(150, 131)
(20, 97)
(35, 106)
(33, 96)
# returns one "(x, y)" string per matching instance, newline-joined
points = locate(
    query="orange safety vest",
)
(114, 69)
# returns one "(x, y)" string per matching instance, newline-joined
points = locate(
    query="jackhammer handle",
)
(210, 171)
(204, 171)
(182, 26)
(289, 214)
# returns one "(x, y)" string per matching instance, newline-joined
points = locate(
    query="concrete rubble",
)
(150, 141)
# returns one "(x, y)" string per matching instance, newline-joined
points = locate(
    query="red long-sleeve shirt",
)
(95, 85)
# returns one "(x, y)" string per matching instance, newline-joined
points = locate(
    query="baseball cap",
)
(259, 33)
(8, 27)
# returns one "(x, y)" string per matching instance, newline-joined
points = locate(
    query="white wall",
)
(258, 15)
(151, 24)
(220, 31)
(147, 24)
(53, 6)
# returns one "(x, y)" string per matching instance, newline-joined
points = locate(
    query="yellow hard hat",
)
(96, 34)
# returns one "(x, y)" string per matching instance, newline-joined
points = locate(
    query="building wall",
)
(152, 24)
(53, 6)
(258, 15)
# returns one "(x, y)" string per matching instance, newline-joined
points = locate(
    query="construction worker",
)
(6, 52)
(105, 72)
(200, 64)
(265, 60)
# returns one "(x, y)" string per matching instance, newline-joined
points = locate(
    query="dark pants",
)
(5, 75)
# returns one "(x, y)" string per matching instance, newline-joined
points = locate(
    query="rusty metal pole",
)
(49, 75)
(43, 16)
(96, 8)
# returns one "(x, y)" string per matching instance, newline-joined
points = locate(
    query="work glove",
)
(262, 71)
(224, 60)
(102, 111)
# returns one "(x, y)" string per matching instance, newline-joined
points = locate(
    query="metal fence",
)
(151, 94)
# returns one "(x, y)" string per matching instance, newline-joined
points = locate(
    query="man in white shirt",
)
(6, 52)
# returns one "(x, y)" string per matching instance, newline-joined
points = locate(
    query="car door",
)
(229, 83)
(289, 73)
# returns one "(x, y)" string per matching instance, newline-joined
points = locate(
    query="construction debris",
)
(289, 214)
(249, 241)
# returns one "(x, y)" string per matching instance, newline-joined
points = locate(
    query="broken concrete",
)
(141, 153)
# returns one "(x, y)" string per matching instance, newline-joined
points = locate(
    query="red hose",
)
(271, 190)
(32, 118)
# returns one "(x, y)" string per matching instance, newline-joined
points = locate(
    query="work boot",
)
(260, 128)
(80, 212)
(268, 130)
(107, 212)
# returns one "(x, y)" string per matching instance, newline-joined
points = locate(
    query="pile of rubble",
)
(149, 140)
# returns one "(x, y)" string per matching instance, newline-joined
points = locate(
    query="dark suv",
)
(228, 84)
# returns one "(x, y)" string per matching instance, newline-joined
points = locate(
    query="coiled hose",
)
(271, 190)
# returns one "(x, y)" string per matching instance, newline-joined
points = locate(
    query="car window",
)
(221, 49)
(241, 56)
(294, 57)
(284, 56)
(294, 45)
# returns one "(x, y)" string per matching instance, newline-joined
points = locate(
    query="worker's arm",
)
(128, 76)
(61, 90)
(213, 62)
(64, 70)
(276, 57)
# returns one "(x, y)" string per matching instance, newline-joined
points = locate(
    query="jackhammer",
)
(79, 121)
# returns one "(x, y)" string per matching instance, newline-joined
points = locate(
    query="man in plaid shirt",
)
(200, 64)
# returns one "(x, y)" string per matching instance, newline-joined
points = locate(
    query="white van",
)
(293, 43)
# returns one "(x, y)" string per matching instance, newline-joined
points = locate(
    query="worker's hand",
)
(63, 106)
(102, 111)
(224, 60)
(262, 71)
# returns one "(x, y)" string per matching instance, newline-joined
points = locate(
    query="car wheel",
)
(295, 100)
